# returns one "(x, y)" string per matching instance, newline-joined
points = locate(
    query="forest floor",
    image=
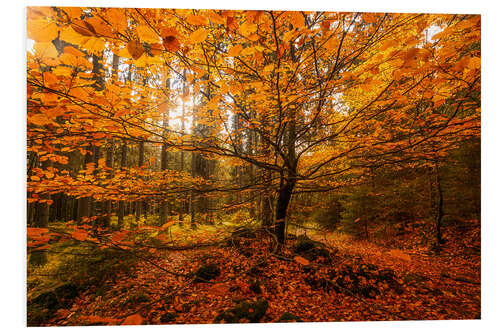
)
(315, 278)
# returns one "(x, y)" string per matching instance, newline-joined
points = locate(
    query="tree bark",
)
(123, 165)
(139, 203)
(284, 196)
(109, 164)
(439, 208)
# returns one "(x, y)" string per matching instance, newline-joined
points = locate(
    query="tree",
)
(326, 94)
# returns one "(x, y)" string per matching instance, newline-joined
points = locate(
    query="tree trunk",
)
(163, 202)
(139, 203)
(84, 203)
(121, 204)
(284, 196)
(439, 208)
(109, 164)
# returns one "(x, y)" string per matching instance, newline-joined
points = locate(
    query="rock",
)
(47, 300)
(304, 244)
(289, 317)
(207, 272)
(252, 311)
(311, 249)
(67, 291)
(42, 307)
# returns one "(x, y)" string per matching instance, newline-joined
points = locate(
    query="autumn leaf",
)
(301, 260)
(198, 36)
(134, 319)
(170, 41)
(36, 232)
(197, 20)
(135, 49)
(42, 30)
(45, 50)
(235, 50)
(248, 28)
(146, 34)
(80, 235)
(297, 19)
(84, 28)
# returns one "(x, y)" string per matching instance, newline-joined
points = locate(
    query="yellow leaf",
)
(71, 36)
(83, 28)
(45, 50)
(198, 36)
(197, 20)
(235, 50)
(248, 28)
(117, 18)
(297, 19)
(215, 18)
(94, 45)
(73, 51)
(474, 63)
(146, 34)
(123, 53)
(42, 30)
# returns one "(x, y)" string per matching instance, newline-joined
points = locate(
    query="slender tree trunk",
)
(95, 207)
(121, 203)
(84, 203)
(109, 164)
(184, 204)
(163, 202)
(139, 203)
(164, 163)
(439, 208)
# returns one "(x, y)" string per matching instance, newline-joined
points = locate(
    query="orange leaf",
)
(198, 36)
(80, 235)
(134, 319)
(36, 232)
(235, 50)
(135, 49)
(197, 20)
(171, 43)
(301, 260)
